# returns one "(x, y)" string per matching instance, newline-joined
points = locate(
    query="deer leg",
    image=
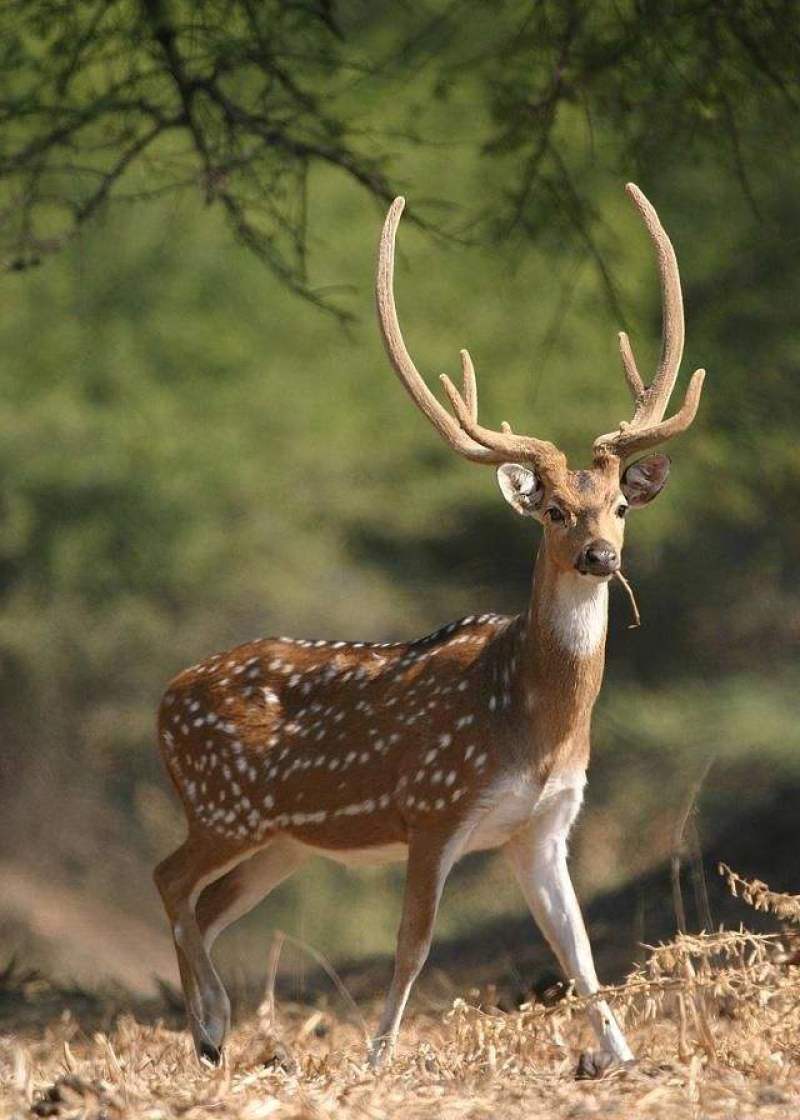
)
(181, 878)
(538, 856)
(430, 858)
(244, 886)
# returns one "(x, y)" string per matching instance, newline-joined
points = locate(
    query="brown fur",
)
(328, 742)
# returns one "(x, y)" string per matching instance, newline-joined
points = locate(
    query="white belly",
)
(514, 802)
(505, 808)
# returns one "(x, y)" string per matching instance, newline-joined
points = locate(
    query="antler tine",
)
(628, 441)
(635, 383)
(470, 386)
(464, 434)
(505, 443)
(401, 360)
(648, 426)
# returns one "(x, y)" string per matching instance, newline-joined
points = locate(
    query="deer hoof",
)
(380, 1052)
(208, 1053)
(593, 1065)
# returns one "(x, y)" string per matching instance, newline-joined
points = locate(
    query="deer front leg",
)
(538, 856)
(430, 858)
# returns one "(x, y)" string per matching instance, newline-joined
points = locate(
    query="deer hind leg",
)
(538, 855)
(430, 858)
(181, 878)
(245, 885)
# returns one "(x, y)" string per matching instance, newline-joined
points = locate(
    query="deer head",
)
(582, 511)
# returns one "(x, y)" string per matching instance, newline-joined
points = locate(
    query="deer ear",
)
(521, 488)
(645, 479)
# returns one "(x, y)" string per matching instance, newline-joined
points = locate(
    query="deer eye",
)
(621, 509)
(555, 514)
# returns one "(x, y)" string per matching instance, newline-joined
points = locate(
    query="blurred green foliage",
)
(192, 456)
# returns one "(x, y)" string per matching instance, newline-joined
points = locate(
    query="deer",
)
(474, 737)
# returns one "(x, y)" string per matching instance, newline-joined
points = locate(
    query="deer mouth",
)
(595, 577)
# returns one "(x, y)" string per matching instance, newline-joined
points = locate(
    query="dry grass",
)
(715, 1020)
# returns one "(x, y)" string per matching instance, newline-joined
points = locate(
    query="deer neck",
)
(562, 656)
(568, 615)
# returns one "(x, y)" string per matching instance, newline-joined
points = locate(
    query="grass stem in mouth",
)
(637, 618)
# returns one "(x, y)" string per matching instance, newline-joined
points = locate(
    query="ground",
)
(714, 1020)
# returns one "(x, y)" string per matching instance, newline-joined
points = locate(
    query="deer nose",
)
(599, 558)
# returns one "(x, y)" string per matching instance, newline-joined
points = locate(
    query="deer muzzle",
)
(598, 558)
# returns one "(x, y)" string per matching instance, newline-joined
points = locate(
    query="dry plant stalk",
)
(266, 1009)
(698, 983)
(760, 897)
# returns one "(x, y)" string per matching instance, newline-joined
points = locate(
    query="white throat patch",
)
(579, 613)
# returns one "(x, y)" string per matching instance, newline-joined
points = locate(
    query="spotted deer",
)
(471, 738)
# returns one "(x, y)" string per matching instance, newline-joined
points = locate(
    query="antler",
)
(648, 426)
(464, 434)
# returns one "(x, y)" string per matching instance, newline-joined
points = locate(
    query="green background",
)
(192, 456)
